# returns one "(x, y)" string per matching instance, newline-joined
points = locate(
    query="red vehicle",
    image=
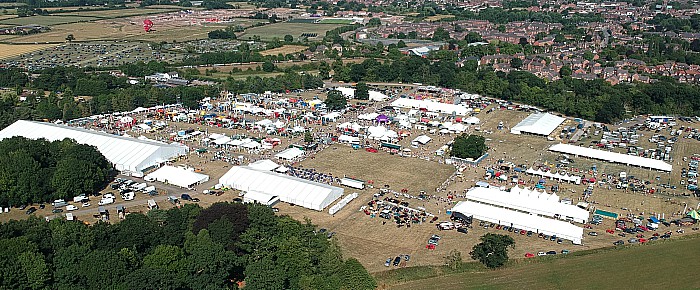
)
(372, 150)
(523, 232)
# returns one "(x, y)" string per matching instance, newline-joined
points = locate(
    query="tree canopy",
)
(41, 171)
(468, 146)
(493, 250)
(336, 100)
(185, 248)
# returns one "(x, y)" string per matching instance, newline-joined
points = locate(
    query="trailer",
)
(353, 183)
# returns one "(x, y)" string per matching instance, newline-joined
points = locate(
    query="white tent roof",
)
(127, 154)
(472, 120)
(260, 197)
(520, 220)
(309, 194)
(612, 157)
(264, 165)
(422, 139)
(531, 201)
(431, 106)
(373, 95)
(223, 140)
(348, 139)
(368, 116)
(178, 176)
(252, 145)
(538, 123)
(290, 153)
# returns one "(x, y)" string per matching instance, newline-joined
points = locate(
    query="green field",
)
(108, 14)
(335, 21)
(279, 30)
(46, 20)
(669, 265)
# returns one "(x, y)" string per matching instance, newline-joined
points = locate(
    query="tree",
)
(468, 146)
(288, 38)
(472, 37)
(565, 71)
(308, 137)
(501, 28)
(361, 91)
(335, 100)
(70, 38)
(400, 44)
(516, 63)
(374, 22)
(268, 66)
(441, 34)
(356, 277)
(453, 259)
(493, 250)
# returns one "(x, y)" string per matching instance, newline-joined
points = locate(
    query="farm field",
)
(279, 30)
(11, 50)
(657, 265)
(46, 20)
(285, 49)
(118, 13)
(335, 21)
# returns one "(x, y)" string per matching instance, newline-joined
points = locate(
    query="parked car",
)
(397, 260)
(462, 230)
(71, 207)
(57, 210)
(552, 253)
(86, 204)
(593, 234)
(31, 210)
(541, 253)
(406, 257)
(387, 263)
(564, 252)
(185, 196)
(619, 243)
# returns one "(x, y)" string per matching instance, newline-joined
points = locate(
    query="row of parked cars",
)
(397, 260)
(553, 238)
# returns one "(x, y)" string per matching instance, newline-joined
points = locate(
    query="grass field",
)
(285, 49)
(279, 30)
(117, 13)
(669, 265)
(438, 17)
(46, 20)
(11, 50)
(335, 21)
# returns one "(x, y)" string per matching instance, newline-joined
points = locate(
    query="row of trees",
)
(594, 100)
(187, 248)
(40, 171)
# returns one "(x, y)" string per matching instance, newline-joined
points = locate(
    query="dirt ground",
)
(12, 50)
(285, 49)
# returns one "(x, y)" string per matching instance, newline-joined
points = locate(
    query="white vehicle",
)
(109, 195)
(152, 204)
(80, 198)
(71, 207)
(105, 201)
(149, 178)
(86, 204)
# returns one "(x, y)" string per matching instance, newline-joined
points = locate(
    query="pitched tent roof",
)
(178, 176)
(538, 123)
(290, 153)
(520, 220)
(302, 192)
(265, 165)
(531, 201)
(612, 157)
(127, 154)
(432, 106)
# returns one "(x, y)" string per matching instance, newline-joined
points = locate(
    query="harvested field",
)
(11, 50)
(117, 13)
(285, 49)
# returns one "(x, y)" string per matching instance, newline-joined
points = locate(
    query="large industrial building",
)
(129, 155)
